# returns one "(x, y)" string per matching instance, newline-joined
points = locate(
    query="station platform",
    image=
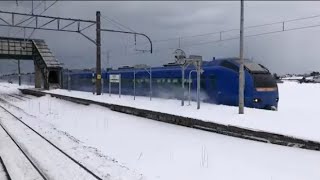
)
(181, 120)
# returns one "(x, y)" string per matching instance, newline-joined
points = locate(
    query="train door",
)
(211, 88)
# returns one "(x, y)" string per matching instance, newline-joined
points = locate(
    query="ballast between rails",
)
(234, 131)
(48, 141)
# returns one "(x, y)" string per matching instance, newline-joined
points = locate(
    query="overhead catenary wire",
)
(25, 19)
(118, 23)
(226, 39)
(234, 29)
(41, 14)
(120, 28)
(210, 42)
(220, 40)
(38, 14)
(28, 18)
(254, 35)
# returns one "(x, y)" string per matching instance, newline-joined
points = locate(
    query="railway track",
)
(4, 175)
(45, 144)
(22, 96)
(14, 96)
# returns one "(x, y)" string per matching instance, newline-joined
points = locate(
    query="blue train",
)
(219, 83)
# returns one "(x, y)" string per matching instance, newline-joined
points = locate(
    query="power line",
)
(235, 29)
(118, 23)
(211, 42)
(253, 35)
(16, 11)
(26, 18)
(41, 14)
(227, 39)
(120, 28)
(34, 18)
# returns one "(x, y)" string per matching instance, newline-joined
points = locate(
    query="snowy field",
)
(297, 115)
(138, 148)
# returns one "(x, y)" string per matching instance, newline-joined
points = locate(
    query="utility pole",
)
(19, 73)
(241, 69)
(108, 59)
(98, 60)
(32, 7)
(182, 79)
(76, 29)
(198, 83)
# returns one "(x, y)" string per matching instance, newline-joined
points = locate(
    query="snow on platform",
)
(161, 151)
(297, 114)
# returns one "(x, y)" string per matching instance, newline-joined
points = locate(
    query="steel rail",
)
(5, 168)
(48, 141)
(23, 152)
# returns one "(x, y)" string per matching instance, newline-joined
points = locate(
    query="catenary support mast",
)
(241, 69)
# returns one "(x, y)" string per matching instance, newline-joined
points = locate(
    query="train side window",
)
(186, 81)
(230, 65)
(203, 83)
(212, 80)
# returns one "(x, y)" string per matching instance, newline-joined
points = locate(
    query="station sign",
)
(114, 78)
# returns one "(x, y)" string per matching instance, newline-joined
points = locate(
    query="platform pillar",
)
(37, 77)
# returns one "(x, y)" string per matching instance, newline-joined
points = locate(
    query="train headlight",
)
(256, 100)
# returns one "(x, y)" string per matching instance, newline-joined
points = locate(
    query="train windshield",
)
(261, 75)
(264, 80)
(255, 68)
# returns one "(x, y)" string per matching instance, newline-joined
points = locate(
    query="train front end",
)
(265, 93)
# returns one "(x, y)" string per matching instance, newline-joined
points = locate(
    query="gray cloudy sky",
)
(285, 52)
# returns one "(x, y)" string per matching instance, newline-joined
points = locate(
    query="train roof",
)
(251, 66)
(173, 64)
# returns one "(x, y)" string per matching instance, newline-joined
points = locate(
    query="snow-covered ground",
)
(292, 78)
(55, 165)
(162, 151)
(15, 160)
(42, 153)
(298, 113)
